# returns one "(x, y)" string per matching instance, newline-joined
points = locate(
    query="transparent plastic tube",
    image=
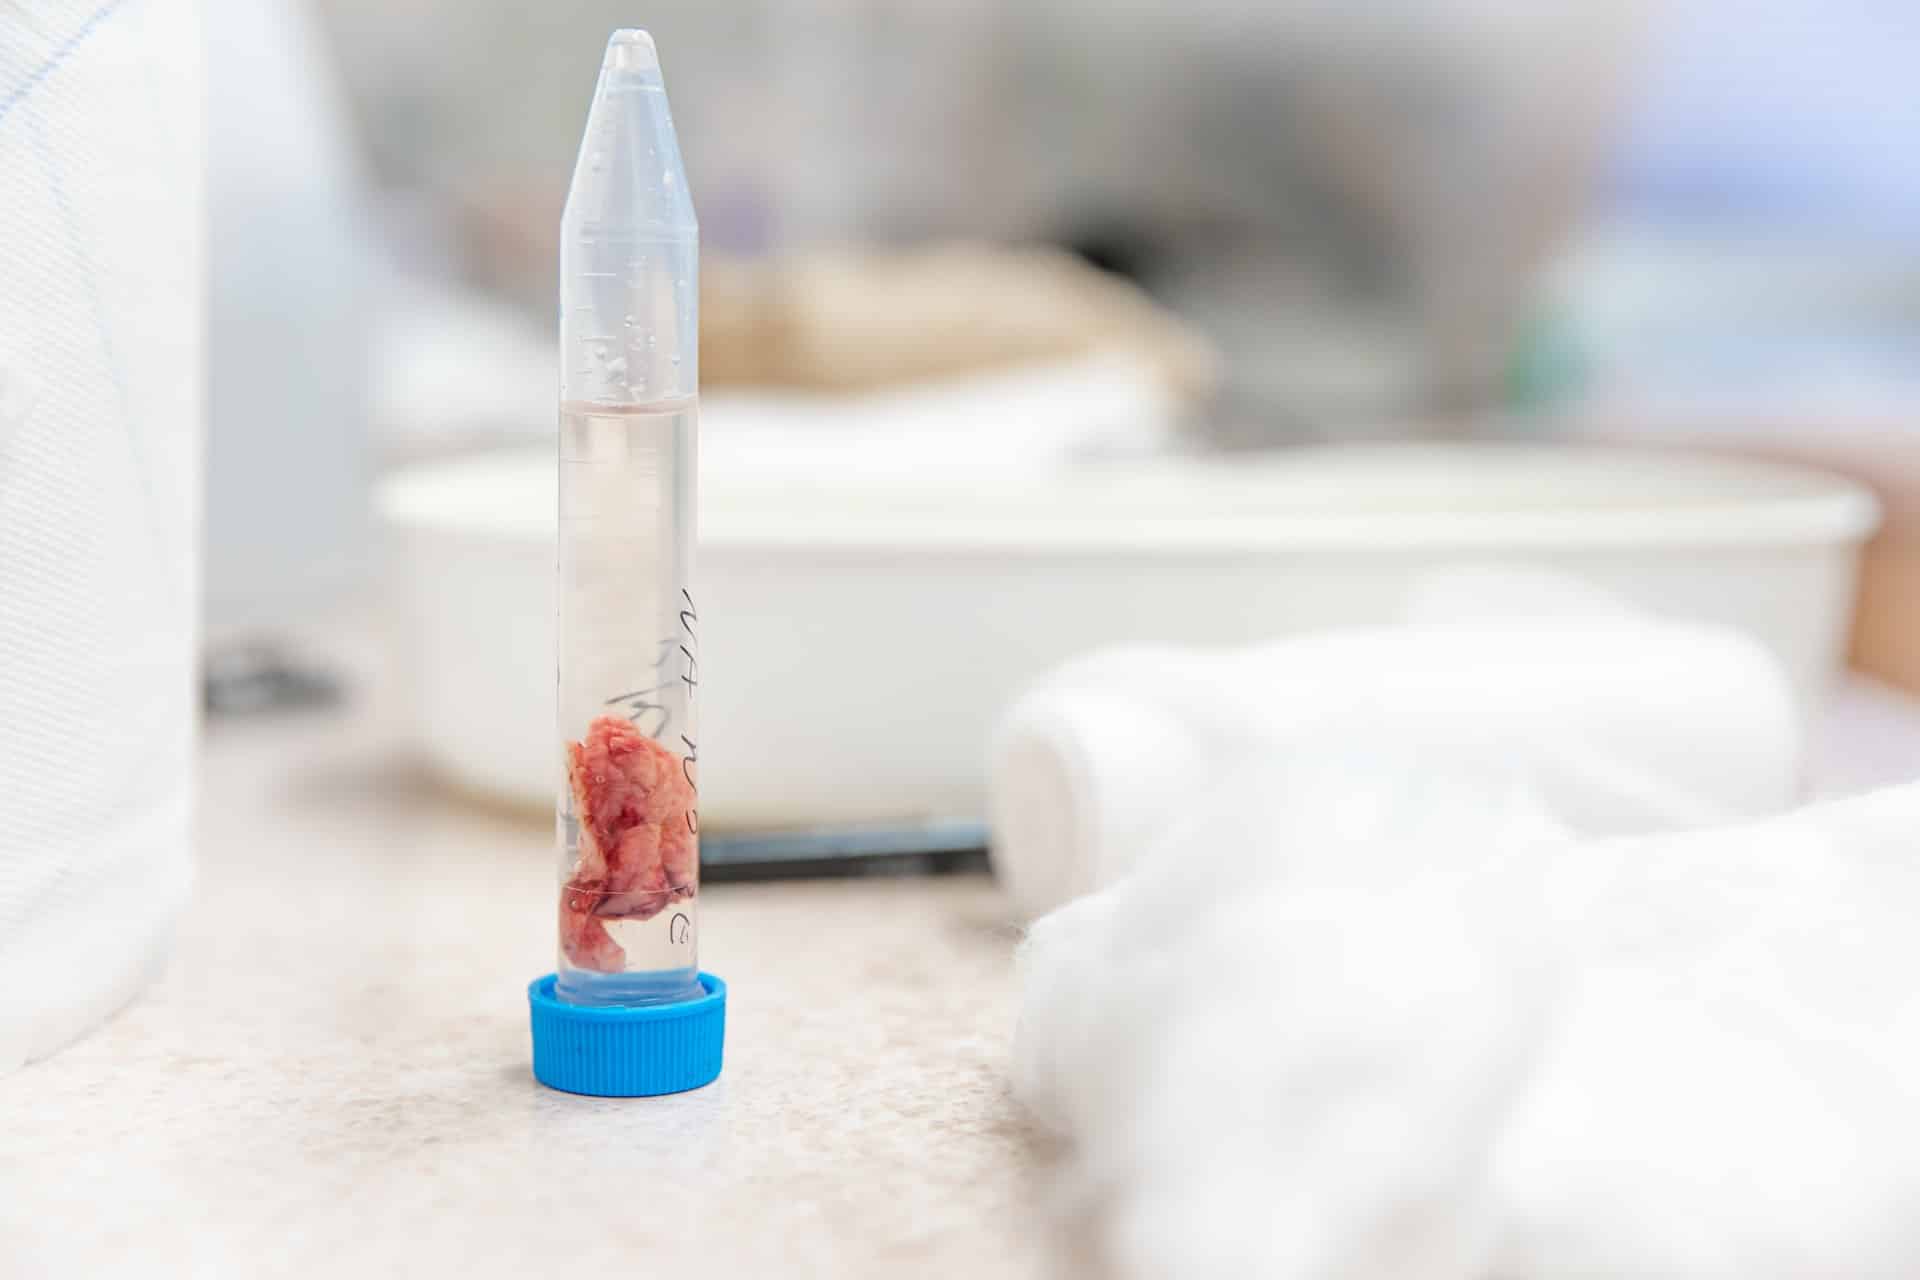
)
(628, 625)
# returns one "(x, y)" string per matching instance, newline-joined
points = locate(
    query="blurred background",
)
(1301, 223)
(1031, 331)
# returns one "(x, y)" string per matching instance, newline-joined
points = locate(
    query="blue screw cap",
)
(618, 1051)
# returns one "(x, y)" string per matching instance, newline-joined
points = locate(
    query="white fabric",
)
(1379, 1015)
(100, 428)
(1675, 724)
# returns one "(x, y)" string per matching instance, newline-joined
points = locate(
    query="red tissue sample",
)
(638, 851)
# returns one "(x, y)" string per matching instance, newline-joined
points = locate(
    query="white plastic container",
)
(860, 634)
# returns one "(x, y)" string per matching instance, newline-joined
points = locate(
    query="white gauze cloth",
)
(1690, 723)
(1373, 1011)
(100, 427)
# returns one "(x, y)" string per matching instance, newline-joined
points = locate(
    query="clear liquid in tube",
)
(628, 633)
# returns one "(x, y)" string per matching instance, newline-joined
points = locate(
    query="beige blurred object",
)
(853, 320)
(1886, 638)
(857, 319)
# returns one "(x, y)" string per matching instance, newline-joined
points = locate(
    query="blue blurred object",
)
(1796, 112)
(1756, 250)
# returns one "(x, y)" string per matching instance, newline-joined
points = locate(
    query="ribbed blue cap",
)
(616, 1051)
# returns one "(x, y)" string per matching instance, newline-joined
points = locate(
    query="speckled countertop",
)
(331, 1077)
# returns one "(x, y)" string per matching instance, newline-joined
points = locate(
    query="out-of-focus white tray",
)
(862, 629)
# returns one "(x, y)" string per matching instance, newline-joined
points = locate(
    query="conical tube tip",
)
(630, 49)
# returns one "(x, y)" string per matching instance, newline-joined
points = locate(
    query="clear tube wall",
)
(629, 619)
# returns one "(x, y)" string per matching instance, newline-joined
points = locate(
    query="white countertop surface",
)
(331, 1078)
